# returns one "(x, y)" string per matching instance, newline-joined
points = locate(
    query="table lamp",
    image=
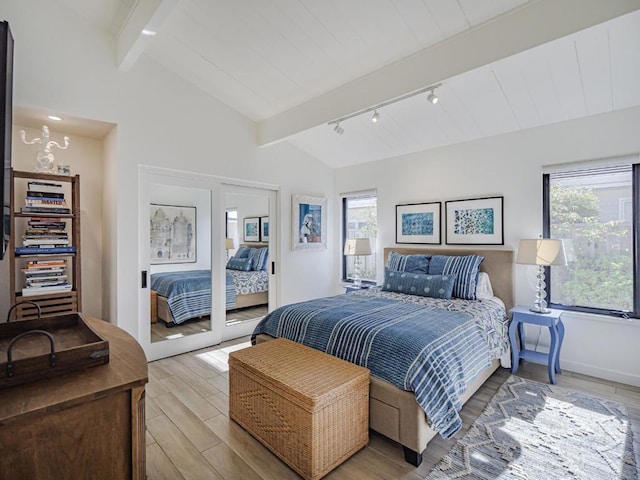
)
(228, 245)
(357, 247)
(542, 252)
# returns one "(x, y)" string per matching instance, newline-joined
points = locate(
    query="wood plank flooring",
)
(190, 436)
(159, 332)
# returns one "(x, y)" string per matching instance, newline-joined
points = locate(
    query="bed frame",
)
(242, 301)
(395, 413)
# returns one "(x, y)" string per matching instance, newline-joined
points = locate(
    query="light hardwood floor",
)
(189, 434)
(159, 332)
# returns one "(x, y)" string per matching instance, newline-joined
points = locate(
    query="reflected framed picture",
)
(476, 221)
(308, 222)
(173, 234)
(418, 223)
(251, 229)
(264, 229)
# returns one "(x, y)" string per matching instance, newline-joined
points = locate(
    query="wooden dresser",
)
(85, 424)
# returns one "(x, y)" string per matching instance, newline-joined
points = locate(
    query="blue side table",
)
(522, 315)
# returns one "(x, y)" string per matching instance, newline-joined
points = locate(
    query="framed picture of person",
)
(309, 222)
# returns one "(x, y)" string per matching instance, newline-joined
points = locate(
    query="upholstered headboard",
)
(497, 263)
(254, 244)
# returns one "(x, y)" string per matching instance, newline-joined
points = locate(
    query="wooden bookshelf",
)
(50, 303)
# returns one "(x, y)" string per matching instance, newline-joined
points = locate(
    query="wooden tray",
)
(76, 345)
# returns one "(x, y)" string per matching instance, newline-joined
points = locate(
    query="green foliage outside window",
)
(599, 273)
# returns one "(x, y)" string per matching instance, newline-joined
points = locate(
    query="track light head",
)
(375, 117)
(338, 129)
(432, 97)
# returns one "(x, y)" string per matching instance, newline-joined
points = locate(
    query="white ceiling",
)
(268, 59)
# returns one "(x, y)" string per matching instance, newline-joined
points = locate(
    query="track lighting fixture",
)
(432, 97)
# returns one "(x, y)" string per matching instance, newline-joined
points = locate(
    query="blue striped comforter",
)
(430, 350)
(188, 293)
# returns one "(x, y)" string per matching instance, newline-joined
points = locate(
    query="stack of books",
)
(45, 235)
(45, 197)
(45, 276)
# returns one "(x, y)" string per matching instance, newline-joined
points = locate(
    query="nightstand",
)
(522, 315)
(348, 288)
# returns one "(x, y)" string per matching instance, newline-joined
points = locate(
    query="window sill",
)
(610, 319)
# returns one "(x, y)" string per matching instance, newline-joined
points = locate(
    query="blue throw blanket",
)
(188, 293)
(431, 351)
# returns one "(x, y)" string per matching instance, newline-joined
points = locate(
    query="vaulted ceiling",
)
(293, 66)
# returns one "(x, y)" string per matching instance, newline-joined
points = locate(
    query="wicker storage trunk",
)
(307, 407)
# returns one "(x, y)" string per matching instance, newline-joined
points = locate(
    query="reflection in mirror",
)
(247, 239)
(180, 258)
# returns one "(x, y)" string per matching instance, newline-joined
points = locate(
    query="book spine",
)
(42, 202)
(44, 187)
(55, 210)
(27, 292)
(46, 250)
(46, 195)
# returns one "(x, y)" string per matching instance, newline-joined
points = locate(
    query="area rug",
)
(531, 430)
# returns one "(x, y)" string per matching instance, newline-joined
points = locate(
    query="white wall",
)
(84, 156)
(63, 65)
(511, 165)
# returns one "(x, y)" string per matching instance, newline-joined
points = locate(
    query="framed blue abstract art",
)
(251, 230)
(418, 223)
(264, 229)
(476, 221)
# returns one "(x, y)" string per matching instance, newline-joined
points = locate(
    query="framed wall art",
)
(418, 223)
(251, 229)
(308, 222)
(264, 229)
(476, 221)
(173, 234)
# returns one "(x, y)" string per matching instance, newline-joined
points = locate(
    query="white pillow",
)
(484, 290)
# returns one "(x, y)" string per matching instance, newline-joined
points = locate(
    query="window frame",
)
(344, 224)
(635, 242)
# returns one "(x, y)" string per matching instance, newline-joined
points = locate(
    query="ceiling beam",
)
(531, 25)
(145, 15)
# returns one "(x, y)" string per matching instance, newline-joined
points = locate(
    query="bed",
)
(187, 294)
(395, 410)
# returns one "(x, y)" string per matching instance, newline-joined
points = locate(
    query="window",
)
(591, 210)
(359, 220)
(231, 227)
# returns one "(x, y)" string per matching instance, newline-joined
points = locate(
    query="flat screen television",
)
(6, 118)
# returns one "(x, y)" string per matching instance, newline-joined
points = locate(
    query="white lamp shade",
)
(228, 244)
(541, 251)
(357, 246)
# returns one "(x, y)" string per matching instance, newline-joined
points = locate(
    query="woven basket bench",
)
(307, 407)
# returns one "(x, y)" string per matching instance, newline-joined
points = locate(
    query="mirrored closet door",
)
(181, 253)
(248, 236)
(206, 255)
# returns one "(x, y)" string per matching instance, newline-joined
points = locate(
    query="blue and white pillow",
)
(259, 257)
(435, 286)
(408, 263)
(466, 269)
(243, 252)
(241, 264)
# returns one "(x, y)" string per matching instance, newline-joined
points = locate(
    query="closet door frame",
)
(150, 177)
